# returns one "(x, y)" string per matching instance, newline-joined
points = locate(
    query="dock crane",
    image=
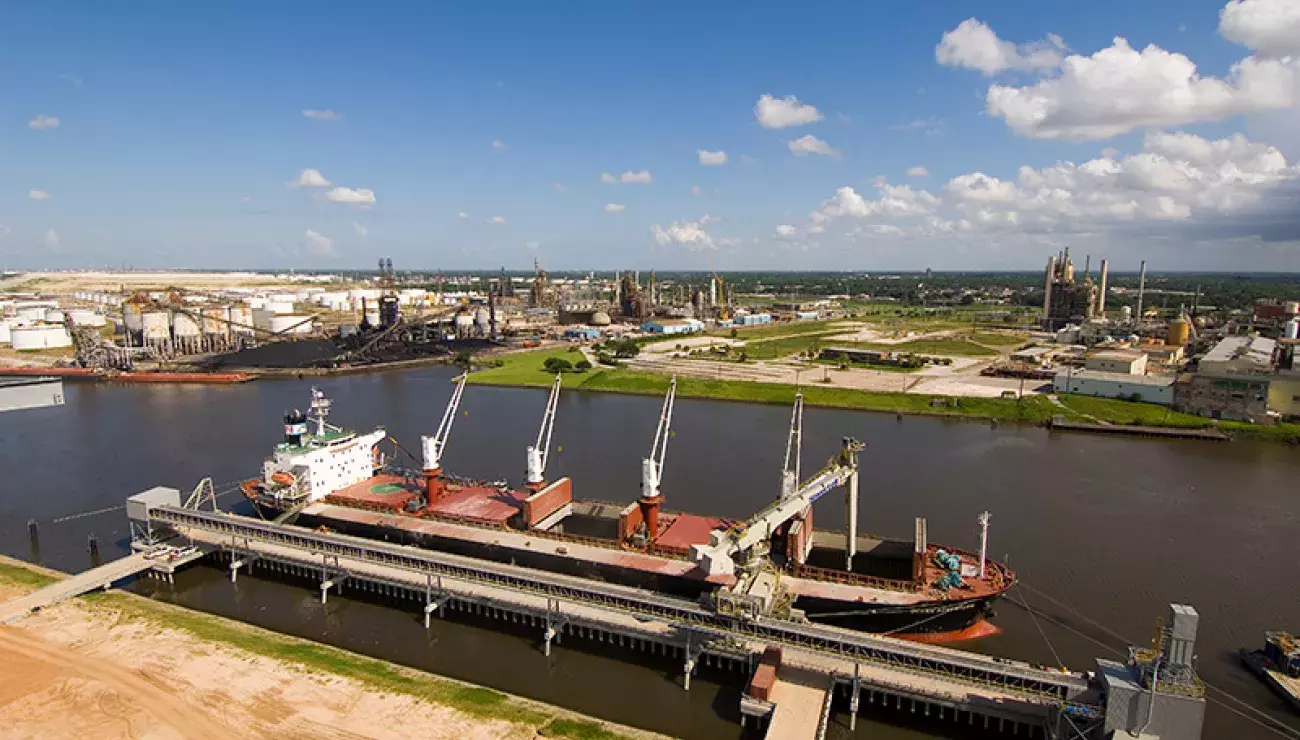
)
(433, 447)
(537, 453)
(793, 448)
(738, 545)
(652, 468)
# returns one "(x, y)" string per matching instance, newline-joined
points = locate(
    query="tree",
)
(557, 365)
(582, 366)
(464, 358)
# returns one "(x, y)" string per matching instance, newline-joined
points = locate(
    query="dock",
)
(101, 577)
(1133, 430)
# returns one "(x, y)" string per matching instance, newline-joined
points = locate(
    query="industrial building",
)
(673, 326)
(1244, 378)
(1120, 361)
(1125, 386)
(1067, 300)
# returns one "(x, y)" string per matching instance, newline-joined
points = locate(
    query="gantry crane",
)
(433, 447)
(652, 468)
(537, 454)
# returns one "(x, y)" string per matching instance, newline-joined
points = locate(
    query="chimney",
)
(1142, 288)
(1101, 292)
(1047, 293)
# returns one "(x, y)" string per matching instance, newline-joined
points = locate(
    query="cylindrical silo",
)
(290, 324)
(1178, 333)
(185, 332)
(1292, 329)
(279, 307)
(241, 320)
(156, 327)
(5, 328)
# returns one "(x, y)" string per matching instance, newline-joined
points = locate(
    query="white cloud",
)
(784, 112)
(76, 81)
(1119, 89)
(809, 144)
(643, 176)
(360, 229)
(1177, 180)
(785, 230)
(1270, 27)
(498, 144)
(533, 246)
(929, 126)
(318, 244)
(463, 214)
(247, 199)
(917, 171)
(43, 122)
(322, 114)
(51, 240)
(614, 207)
(559, 187)
(711, 159)
(310, 178)
(695, 190)
(364, 197)
(497, 220)
(973, 45)
(691, 234)
(607, 178)
(38, 195)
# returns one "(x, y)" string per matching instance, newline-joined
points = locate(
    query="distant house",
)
(582, 333)
(673, 326)
(1124, 361)
(754, 319)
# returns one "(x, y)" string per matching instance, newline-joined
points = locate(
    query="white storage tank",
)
(281, 298)
(184, 326)
(31, 313)
(215, 320)
(256, 302)
(464, 322)
(262, 318)
(53, 316)
(1292, 307)
(1292, 329)
(84, 317)
(5, 328)
(372, 316)
(156, 326)
(131, 316)
(241, 319)
(279, 307)
(39, 336)
(291, 324)
(1126, 312)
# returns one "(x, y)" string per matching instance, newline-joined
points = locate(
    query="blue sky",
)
(179, 126)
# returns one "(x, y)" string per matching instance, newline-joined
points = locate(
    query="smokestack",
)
(1101, 293)
(1087, 266)
(1047, 293)
(1142, 288)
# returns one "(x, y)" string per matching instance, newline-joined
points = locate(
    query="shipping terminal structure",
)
(773, 564)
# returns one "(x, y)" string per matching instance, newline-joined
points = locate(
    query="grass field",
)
(953, 347)
(526, 370)
(999, 340)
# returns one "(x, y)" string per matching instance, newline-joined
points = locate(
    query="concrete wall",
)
(547, 501)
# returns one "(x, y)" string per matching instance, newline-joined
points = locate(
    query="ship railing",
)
(856, 579)
(577, 539)
(472, 521)
(1035, 685)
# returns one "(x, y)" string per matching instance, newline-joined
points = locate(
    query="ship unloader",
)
(772, 564)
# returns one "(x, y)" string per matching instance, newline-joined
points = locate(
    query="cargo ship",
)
(774, 564)
(1278, 665)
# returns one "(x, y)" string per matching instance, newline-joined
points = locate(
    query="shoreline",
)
(62, 666)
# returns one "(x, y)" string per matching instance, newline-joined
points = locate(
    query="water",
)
(1113, 527)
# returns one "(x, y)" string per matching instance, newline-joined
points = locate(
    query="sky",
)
(672, 135)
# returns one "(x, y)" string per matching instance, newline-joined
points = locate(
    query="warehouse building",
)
(1146, 388)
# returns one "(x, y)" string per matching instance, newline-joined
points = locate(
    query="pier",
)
(1132, 430)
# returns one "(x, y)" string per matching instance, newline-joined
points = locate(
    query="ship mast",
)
(320, 408)
(984, 541)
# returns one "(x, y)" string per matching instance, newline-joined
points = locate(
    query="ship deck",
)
(481, 514)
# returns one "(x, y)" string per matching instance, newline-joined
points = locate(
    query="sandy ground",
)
(66, 282)
(75, 671)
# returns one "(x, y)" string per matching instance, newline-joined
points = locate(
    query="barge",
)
(772, 564)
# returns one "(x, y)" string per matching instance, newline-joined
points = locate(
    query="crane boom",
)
(652, 467)
(539, 452)
(790, 474)
(434, 446)
(728, 546)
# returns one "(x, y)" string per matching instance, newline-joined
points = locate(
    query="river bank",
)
(526, 370)
(120, 665)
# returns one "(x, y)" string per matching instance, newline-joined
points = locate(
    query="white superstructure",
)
(310, 465)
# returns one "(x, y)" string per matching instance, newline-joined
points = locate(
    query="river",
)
(1111, 528)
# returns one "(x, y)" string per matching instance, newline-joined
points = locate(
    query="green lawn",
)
(23, 577)
(526, 370)
(999, 340)
(785, 329)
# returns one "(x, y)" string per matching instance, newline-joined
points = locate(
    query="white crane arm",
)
(538, 454)
(652, 467)
(434, 446)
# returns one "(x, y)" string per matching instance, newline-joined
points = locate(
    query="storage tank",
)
(184, 325)
(39, 336)
(290, 324)
(1178, 333)
(482, 321)
(262, 319)
(1292, 307)
(464, 323)
(372, 316)
(5, 328)
(156, 326)
(31, 313)
(1126, 313)
(53, 316)
(131, 317)
(1292, 329)
(83, 317)
(215, 320)
(600, 318)
(279, 307)
(241, 320)
(281, 298)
